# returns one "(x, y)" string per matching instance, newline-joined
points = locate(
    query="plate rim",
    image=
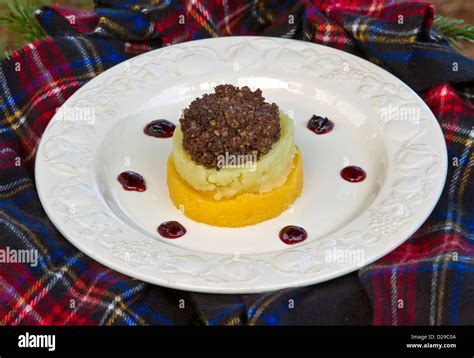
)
(306, 281)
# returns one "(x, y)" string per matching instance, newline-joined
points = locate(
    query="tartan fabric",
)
(427, 280)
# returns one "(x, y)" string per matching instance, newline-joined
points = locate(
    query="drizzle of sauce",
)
(291, 234)
(320, 125)
(161, 128)
(171, 230)
(353, 174)
(132, 181)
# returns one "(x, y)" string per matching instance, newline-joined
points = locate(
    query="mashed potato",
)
(268, 173)
(240, 210)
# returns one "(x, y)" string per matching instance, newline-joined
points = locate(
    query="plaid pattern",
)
(427, 280)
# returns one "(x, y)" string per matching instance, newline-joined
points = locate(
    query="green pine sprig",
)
(199, 319)
(456, 31)
(21, 22)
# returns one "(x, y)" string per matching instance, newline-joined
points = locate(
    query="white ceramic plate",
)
(380, 125)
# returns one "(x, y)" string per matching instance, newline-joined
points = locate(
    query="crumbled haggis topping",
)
(233, 120)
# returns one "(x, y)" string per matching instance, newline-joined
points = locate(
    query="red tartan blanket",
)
(427, 280)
